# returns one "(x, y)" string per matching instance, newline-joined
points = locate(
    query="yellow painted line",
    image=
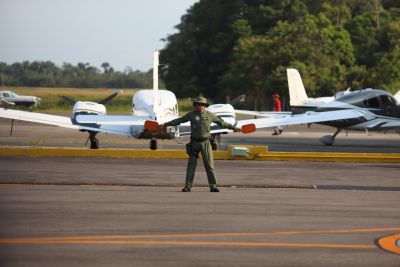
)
(390, 243)
(186, 243)
(330, 156)
(181, 154)
(48, 240)
(219, 234)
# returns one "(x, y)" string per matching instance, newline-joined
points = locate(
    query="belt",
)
(202, 139)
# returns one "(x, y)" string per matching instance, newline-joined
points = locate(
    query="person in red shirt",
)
(277, 106)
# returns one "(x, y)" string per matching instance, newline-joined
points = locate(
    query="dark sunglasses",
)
(201, 104)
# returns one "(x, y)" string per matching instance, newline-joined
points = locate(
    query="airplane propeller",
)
(238, 99)
(71, 100)
(94, 142)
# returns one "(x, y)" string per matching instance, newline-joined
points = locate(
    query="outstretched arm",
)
(224, 124)
(176, 121)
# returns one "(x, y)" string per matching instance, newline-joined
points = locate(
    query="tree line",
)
(232, 47)
(83, 75)
(226, 48)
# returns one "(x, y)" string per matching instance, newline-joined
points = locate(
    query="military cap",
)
(200, 99)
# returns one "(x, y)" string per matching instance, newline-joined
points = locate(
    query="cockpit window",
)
(388, 102)
(372, 102)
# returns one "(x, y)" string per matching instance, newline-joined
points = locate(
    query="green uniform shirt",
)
(200, 123)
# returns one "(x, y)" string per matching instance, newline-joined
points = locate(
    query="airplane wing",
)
(62, 121)
(267, 114)
(38, 118)
(308, 117)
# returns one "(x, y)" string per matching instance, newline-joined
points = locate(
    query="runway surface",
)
(107, 212)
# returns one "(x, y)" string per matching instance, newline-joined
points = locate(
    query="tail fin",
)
(397, 97)
(297, 92)
(156, 101)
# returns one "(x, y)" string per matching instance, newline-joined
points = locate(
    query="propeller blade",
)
(239, 99)
(67, 99)
(108, 98)
(248, 128)
(151, 126)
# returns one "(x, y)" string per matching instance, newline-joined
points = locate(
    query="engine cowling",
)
(224, 111)
(88, 108)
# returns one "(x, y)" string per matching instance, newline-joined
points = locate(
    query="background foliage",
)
(231, 47)
(47, 74)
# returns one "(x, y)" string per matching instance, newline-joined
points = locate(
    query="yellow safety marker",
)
(390, 243)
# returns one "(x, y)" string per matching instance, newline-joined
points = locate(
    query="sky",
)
(123, 33)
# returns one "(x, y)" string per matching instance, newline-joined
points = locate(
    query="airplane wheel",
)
(153, 144)
(94, 144)
(327, 140)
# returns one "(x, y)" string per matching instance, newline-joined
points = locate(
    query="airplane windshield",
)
(372, 102)
(10, 94)
(389, 106)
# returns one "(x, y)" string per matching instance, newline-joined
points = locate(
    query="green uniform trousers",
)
(208, 159)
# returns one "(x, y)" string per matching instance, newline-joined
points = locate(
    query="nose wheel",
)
(94, 142)
(153, 144)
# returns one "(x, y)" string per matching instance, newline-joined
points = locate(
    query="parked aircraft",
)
(11, 98)
(368, 110)
(158, 106)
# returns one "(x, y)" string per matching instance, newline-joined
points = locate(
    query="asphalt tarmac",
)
(125, 212)
(130, 212)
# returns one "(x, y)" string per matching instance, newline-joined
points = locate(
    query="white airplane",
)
(11, 98)
(158, 106)
(368, 110)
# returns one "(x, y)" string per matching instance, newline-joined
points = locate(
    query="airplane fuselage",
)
(377, 102)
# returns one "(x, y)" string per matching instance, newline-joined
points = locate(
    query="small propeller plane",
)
(367, 109)
(10, 98)
(149, 107)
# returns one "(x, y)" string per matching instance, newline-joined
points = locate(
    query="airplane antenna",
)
(155, 82)
(12, 127)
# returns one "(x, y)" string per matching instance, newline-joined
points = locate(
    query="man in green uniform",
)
(200, 121)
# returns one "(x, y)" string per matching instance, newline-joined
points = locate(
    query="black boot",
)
(186, 189)
(214, 189)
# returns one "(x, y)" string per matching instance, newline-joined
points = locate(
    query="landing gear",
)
(94, 142)
(153, 144)
(329, 139)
